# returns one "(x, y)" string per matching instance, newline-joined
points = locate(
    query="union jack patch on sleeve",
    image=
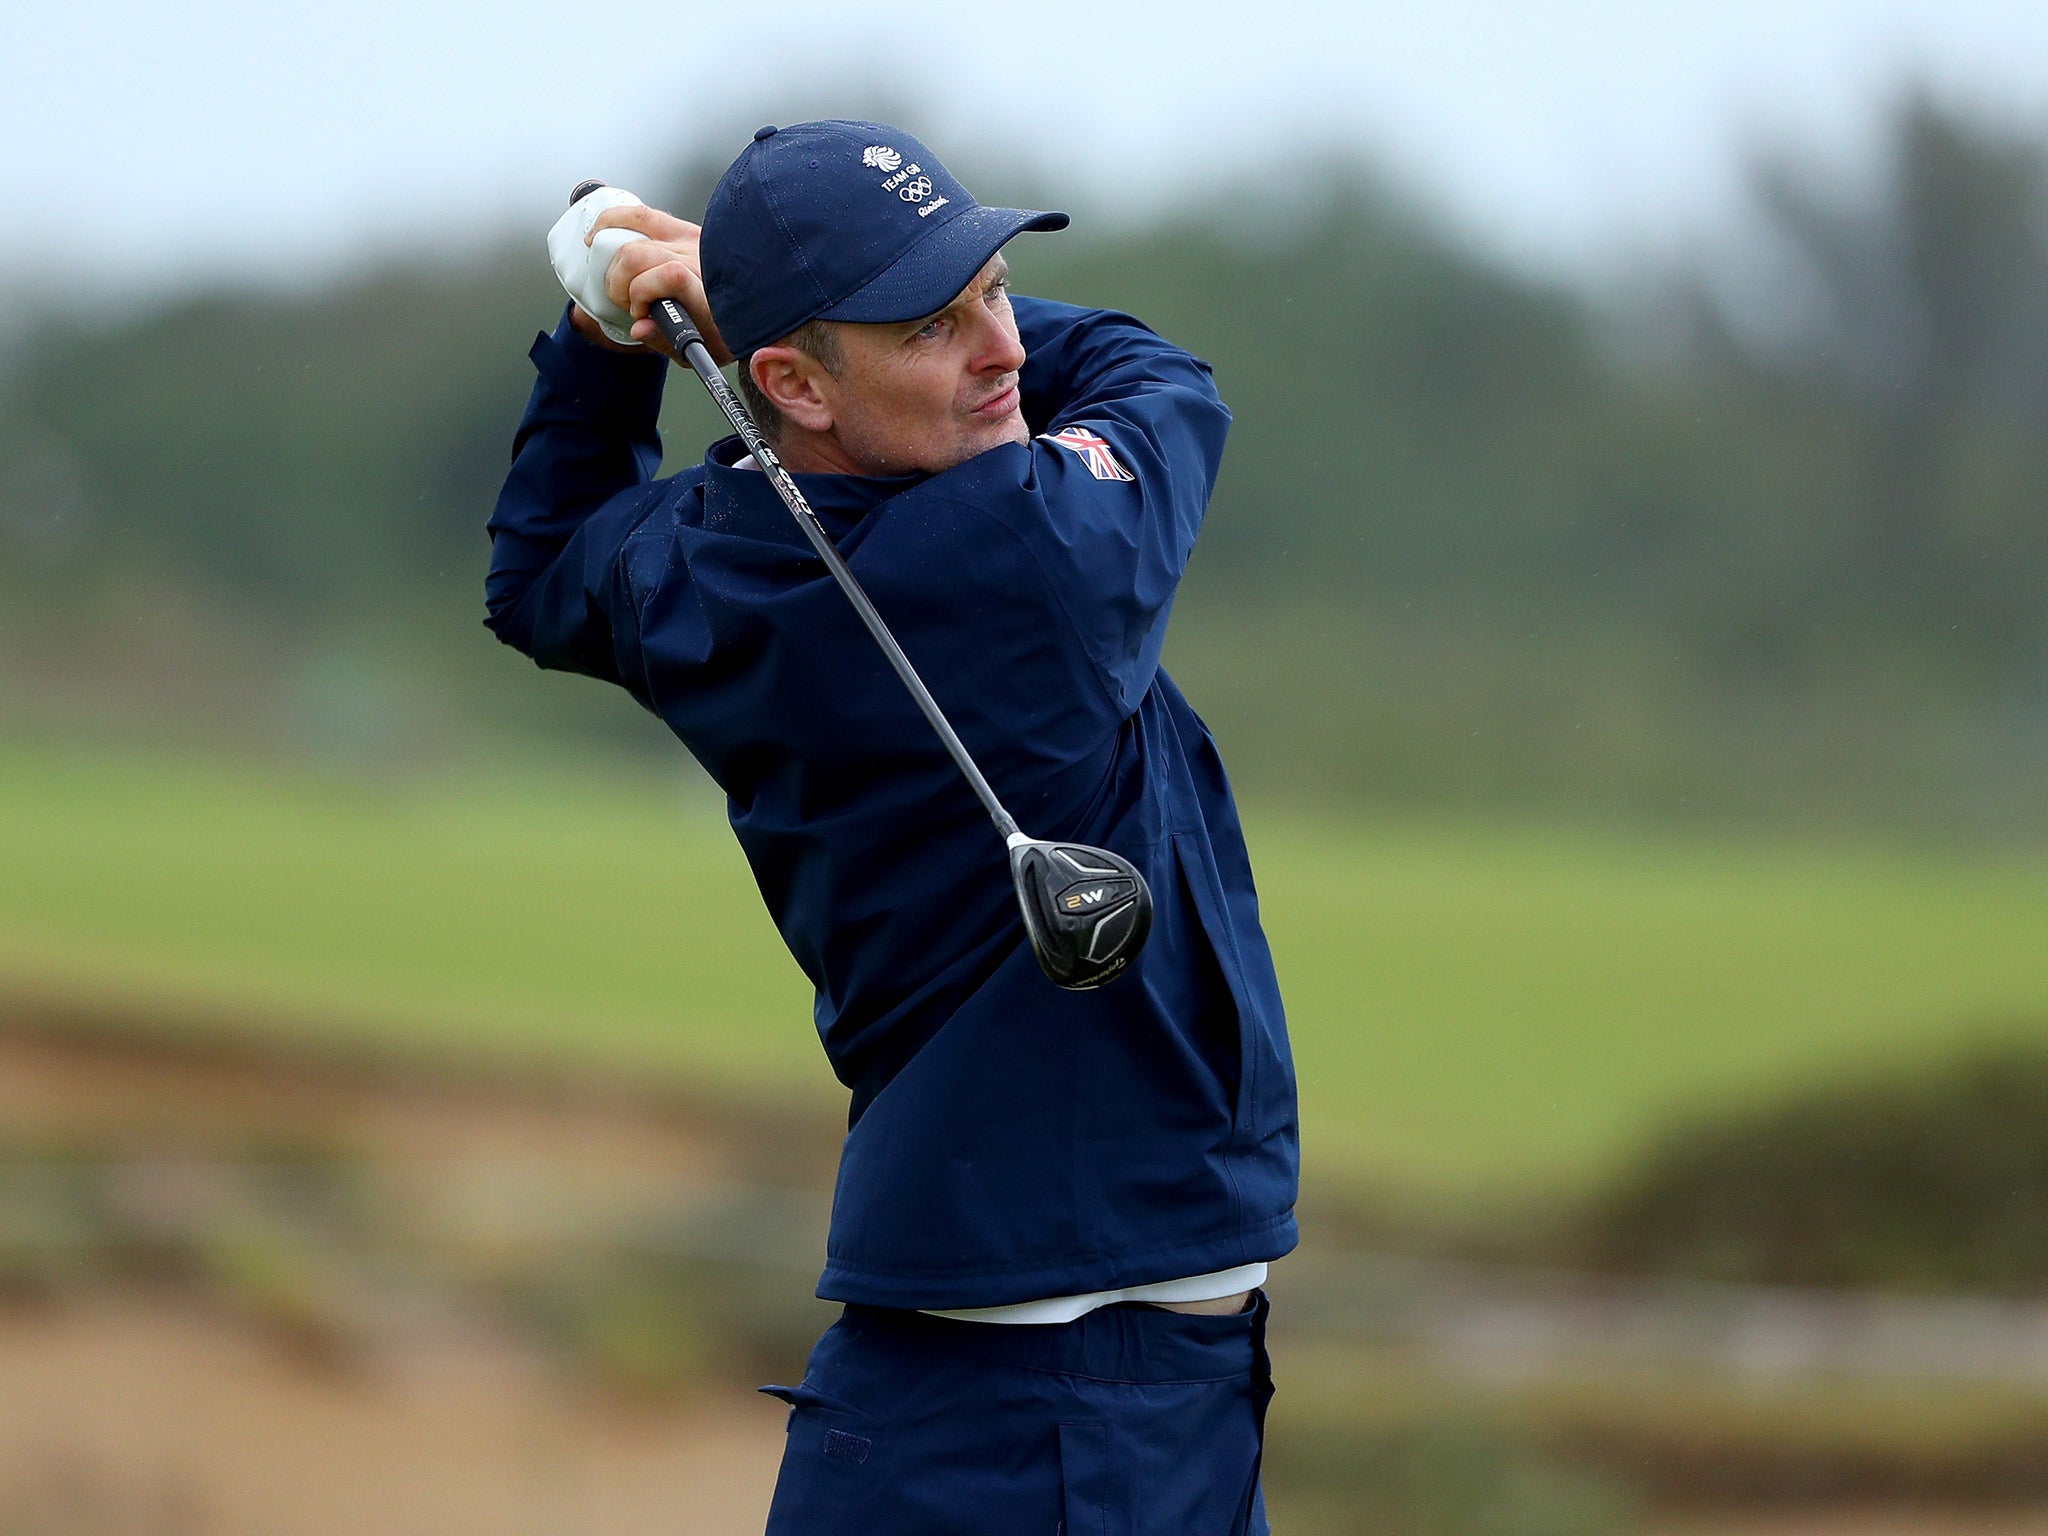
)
(1094, 452)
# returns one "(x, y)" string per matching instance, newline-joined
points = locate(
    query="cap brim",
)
(931, 274)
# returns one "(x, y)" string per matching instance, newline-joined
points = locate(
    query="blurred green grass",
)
(1477, 1009)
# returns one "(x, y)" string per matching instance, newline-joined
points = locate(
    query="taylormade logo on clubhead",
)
(1086, 910)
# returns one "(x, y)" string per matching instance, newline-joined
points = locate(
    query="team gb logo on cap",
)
(907, 181)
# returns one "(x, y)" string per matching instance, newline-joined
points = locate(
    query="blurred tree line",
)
(1764, 537)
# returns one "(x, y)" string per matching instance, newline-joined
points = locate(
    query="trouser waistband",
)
(1125, 1342)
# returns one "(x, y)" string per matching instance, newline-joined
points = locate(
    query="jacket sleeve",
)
(582, 482)
(1113, 526)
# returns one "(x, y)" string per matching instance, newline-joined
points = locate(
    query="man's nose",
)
(998, 349)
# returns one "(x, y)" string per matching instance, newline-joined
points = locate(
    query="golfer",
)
(1055, 1209)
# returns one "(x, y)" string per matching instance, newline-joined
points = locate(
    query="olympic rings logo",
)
(916, 190)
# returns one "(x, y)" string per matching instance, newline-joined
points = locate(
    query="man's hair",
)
(814, 337)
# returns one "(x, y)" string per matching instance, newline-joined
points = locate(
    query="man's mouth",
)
(997, 405)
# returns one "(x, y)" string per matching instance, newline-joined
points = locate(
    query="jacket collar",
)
(741, 501)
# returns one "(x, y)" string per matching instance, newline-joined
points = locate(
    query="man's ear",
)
(789, 378)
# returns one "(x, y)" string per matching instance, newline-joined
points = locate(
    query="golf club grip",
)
(674, 323)
(682, 334)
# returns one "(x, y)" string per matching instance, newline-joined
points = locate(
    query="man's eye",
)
(928, 330)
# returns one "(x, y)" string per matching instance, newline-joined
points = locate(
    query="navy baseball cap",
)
(843, 220)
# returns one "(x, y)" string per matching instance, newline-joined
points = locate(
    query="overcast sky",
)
(161, 146)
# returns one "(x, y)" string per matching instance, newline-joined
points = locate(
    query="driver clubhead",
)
(1087, 910)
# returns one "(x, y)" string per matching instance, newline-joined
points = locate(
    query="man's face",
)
(929, 394)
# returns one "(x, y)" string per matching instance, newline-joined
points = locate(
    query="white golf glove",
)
(582, 267)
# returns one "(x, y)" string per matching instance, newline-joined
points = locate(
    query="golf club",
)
(1087, 910)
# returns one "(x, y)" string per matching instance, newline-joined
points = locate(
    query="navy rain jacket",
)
(1008, 1140)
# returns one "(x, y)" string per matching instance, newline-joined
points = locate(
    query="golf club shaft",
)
(682, 334)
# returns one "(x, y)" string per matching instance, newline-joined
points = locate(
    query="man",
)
(1054, 1209)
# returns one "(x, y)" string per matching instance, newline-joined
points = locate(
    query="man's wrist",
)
(620, 384)
(585, 324)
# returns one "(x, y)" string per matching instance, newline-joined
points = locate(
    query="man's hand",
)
(665, 265)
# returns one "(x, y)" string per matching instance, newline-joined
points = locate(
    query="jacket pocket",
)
(1257, 1064)
(1218, 1029)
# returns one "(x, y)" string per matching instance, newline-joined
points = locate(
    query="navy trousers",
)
(1130, 1421)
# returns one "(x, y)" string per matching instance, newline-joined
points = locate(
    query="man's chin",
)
(983, 436)
(978, 438)
(1006, 428)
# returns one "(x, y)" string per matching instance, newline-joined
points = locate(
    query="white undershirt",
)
(1064, 1309)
